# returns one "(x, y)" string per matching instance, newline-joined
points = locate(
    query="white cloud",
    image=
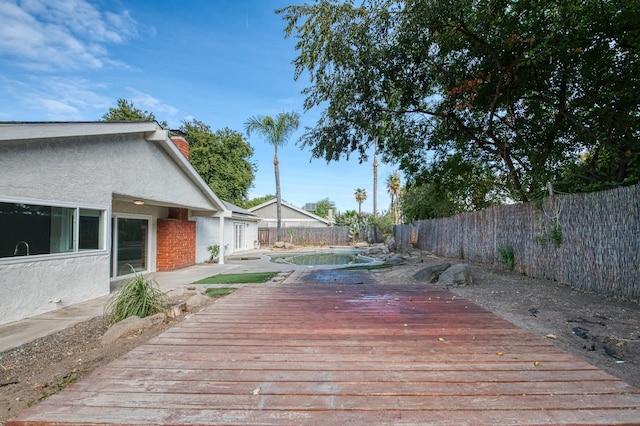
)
(58, 98)
(58, 111)
(61, 34)
(150, 103)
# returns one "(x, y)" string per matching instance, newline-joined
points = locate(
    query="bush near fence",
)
(589, 241)
(308, 236)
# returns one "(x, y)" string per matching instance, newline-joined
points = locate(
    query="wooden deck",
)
(334, 348)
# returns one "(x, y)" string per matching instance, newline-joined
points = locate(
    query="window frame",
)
(105, 225)
(114, 244)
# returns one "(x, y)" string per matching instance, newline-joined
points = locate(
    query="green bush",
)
(138, 297)
(214, 251)
(507, 255)
(556, 234)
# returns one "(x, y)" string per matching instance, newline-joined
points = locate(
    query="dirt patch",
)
(600, 330)
(603, 331)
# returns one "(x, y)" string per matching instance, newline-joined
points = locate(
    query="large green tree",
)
(522, 88)
(127, 111)
(443, 189)
(323, 206)
(276, 131)
(257, 201)
(222, 158)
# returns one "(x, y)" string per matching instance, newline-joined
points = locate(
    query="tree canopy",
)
(257, 201)
(126, 111)
(222, 158)
(525, 92)
(323, 206)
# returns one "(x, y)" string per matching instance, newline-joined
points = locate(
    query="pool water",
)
(317, 259)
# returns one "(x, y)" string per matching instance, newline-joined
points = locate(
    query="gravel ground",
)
(603, 331)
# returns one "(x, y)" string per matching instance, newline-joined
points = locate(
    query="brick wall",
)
(176, 241)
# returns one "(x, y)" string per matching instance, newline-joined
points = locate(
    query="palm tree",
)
(393, 188)
(276, 131)
(361, 195)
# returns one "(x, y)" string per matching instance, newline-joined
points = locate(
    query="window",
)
(33, 229)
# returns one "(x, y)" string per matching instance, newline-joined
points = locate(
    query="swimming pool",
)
(322, 258)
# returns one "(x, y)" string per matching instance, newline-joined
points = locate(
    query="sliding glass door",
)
(130, 245)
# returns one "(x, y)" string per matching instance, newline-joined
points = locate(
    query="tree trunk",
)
(375, 178)
(276, 169)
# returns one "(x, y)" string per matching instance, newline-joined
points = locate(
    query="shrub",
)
(213, 252)
(556, 234)
(507, 255)
(139, 296)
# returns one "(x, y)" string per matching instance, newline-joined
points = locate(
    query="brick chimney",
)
(180, 141)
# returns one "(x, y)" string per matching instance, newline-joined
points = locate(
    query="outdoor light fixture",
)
(138, 202)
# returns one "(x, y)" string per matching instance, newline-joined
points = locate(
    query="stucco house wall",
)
(207, 229)
(101, 166)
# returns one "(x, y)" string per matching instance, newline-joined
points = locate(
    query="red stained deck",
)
(315, 350)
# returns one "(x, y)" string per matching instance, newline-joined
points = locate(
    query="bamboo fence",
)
(588, 241)
(308, 236)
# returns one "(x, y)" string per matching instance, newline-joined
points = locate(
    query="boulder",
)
(395, 259)
(278, 244)
(431, 273)
(288, 246)
(391, 243)
(361, 244)
(376, 250)
(128, 326)
(457, 275)
(197, 301)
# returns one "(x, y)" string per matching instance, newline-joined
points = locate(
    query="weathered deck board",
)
(316, 351)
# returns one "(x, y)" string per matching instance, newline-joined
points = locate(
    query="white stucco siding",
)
(32, 288)
(89, 170)
(252, 235)
(207, 234)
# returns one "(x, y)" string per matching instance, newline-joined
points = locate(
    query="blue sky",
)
(218, 61)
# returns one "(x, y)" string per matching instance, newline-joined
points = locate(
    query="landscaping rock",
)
(457, 275)
(175, 310)
(376, 250)
(278, 244)
(128, 326)
(431, 273)
(197, 301)
(361, 244)
(288, 246)
(391, 243)
(396, 259)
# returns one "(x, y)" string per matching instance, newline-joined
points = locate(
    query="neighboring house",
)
(82, 204)
(292, 216)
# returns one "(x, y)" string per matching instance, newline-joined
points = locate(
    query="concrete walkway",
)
(20, 332)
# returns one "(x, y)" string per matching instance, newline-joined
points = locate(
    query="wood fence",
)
(307, 236)
(589, 241)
